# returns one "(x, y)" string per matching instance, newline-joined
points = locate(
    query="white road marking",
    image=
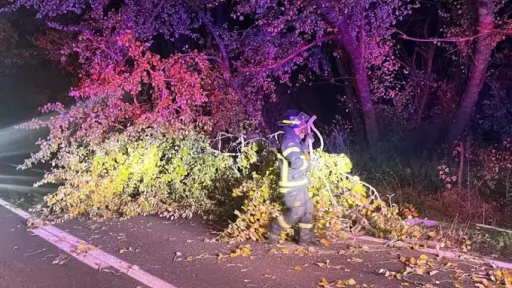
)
(88, 254)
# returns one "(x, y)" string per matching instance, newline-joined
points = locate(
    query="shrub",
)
(476, 182)
(137, 172)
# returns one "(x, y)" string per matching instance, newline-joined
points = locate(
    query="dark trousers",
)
(299, 209)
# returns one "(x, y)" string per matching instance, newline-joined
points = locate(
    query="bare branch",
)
(289, 57)
(451, 39)
(208, 24)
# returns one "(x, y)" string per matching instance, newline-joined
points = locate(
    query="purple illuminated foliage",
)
(223, 65)
(243, 63)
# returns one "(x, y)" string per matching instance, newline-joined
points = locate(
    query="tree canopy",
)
(410, 75)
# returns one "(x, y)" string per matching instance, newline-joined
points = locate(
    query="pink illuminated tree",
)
(247, 46)
(360, 28)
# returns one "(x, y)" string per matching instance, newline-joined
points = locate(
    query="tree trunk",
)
(351, 97)
(483, 51)
(425, 87)
(349, 43)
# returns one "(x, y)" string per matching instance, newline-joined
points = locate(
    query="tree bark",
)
(351, 97)
(349, 43)
(483, 51)
(425, 86)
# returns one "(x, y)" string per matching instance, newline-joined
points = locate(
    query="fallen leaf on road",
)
(111, 271)
(177, 257)
(61, 259)
(354, 259)
(507, 277)
(322, 264)
(450, 265)
(326, 242)
(297, 268)
(479, 280)
(204, 255)
(34, 222)
(300, 251)
(323, 282)
(389, 274)
(349, 282)
(82, 248)
(433, 272)
(327, 264)
(312, 249)
(243, 250)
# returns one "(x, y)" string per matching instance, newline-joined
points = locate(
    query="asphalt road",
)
(178, 253)
(26, 261)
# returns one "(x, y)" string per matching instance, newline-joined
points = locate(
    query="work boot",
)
(307, 238)
(273, 233)
(273, 239)
(296, 234)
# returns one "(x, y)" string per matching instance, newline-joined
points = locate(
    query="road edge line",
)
(93, 258)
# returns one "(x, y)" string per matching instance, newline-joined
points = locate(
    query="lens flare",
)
(16, 145)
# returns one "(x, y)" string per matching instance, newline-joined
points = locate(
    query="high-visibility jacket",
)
(292, 163)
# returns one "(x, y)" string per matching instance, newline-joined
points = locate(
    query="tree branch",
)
(208, 24)
(278, 63)
(450, 39)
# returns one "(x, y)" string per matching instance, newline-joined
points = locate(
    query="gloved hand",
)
(305, 143)
(315, 163)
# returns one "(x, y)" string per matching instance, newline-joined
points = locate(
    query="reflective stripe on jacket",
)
(292, 163)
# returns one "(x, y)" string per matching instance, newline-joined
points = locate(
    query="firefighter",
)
(293, 180)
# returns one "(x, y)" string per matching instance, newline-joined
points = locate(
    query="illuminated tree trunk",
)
(350, 45)
(351, 98)
(483, 51)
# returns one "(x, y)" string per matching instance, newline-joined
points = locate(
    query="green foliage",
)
(338, 197)
(258, 191)
(177, 174)
(138, 172)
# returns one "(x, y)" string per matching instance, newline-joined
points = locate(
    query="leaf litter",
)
(425, 267)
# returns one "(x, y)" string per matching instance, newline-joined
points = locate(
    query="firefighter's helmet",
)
(294, 119)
